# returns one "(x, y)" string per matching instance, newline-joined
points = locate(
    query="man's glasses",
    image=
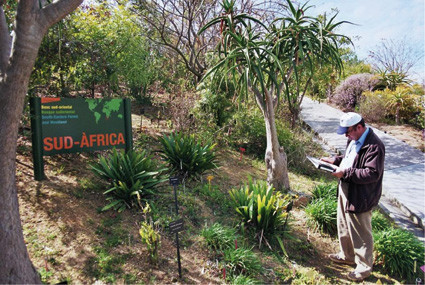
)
(350, 130)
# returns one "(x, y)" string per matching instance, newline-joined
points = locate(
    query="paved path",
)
(404, 177)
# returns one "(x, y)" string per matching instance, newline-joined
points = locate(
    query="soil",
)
(68, 236)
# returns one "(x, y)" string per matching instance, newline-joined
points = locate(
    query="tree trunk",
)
(17, 59)
(275, 158)
(15, 265)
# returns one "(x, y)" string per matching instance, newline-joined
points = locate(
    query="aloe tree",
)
(273, 64)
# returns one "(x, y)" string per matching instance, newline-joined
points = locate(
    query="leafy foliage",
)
(396, 250)
(249, 132)
(242, 261)
(132, 175)
(100, 48)
(260, 206)
(325, 191)
(151, 238)
(403, 104)
(219, 237)
(322, 211)
(380, 222)
(348, 93)
(372, 106)
(186, 156)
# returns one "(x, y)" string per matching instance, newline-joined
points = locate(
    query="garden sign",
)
(68, 125)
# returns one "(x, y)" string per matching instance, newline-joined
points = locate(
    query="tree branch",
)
(56, 11)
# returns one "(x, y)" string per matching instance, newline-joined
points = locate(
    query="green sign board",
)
(68, 125)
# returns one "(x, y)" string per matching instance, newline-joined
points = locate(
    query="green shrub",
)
(372, 106)
(322, 214)
(402, 104)
(219, 237)
(132, 176)
(186, 156)
(152, 239)
(260, 206)
(380, 222)
(325, 191)
(396, 250)
(242, 261)
(249, 132)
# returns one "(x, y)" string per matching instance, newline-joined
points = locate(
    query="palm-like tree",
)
(269, 62)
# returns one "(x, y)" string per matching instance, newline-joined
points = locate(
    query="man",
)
(360, 171)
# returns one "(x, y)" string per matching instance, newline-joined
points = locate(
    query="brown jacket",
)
(365, 176)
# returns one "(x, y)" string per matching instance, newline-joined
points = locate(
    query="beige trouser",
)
(355, 234)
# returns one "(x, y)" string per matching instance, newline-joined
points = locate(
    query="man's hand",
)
(339, 172)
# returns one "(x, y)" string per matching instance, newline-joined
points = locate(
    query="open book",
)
(321, 164)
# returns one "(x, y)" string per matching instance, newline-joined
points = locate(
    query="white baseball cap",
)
(347, 120)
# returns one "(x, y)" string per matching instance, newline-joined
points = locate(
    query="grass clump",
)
(219, 237)
(380, 222)
(322, 210)
(396, 251)
(242, 261)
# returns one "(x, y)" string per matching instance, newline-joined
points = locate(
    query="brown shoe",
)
(337, 259)
(356, 276)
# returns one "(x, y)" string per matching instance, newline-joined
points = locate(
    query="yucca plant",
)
(396, 250)
(261, 206)
(187, 157)
(322, 214)
(219, 237)
(132, 176)
(242, 261)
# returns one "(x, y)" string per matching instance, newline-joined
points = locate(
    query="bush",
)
(322, 214)
(242, 261)
(260, 206)
(132, 176)
(380, 222)
(396, 250)
(347, 95)
(372, 106)
(402, 104)
(219, 237)
(249, 132)
(186, 156)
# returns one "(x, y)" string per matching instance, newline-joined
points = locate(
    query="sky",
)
(376, 20)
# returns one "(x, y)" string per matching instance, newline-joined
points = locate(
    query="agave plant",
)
(186, 157)
(261, 206)
(132, 175)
